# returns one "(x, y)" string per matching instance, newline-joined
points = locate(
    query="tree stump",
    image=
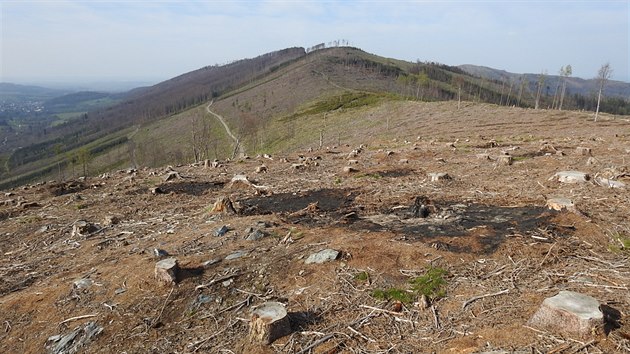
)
(505, 160)
(223, 205)
(269, 322)
(584, 151)
(439, 176)
(349, 169)
(569, 312)
(571, 177)
(166, 271)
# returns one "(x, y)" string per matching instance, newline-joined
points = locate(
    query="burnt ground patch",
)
(450, 226)
(473, 228)
(317, 206)
(190, 188)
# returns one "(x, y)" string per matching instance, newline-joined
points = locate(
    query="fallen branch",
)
(157, 319)
(583, 346)
(77, 318)
(435, 317)
(316, 343)
(471, 300)
(214, 281)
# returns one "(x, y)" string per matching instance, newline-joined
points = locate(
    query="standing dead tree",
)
(602, 76)
(541, 84)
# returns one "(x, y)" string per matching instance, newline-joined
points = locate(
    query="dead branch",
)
(214, 281)
(157, 319)
(77, 318)
(471, 300)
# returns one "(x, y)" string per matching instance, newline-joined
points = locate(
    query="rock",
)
(560, 204)
(160, 253)
(389, 153)
(584, 151)
(403, 161)
(349, 169)
(83, 228)
(269, 322)
(235, 255)
(591, 161)
(298, 166)
(166, 271)
(605, 182)
(223, 205)
(439, 176)
(221, 231)
(82, 283)
(569, 312)
(211, 262)
(261, 169)
(571, 177)
(254, 234)
(505, 160)
(74, 341)
(323, 256)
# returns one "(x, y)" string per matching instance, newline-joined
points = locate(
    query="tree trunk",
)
(599, 97)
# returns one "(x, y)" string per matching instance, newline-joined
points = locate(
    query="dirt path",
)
(238, 148)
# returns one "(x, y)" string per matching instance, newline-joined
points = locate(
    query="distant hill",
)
(82, 101)
(575, 85)
(269, 103)
(19, 93)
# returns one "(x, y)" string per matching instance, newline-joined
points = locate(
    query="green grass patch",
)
(621, 243)
(362, 276)
(395, 294)
(348, 100)
(432, 285)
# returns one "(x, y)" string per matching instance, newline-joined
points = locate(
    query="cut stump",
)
(571, 177)
(166, 271)
(505, 160)
(571, 313)
(223, 205)
(269, 322)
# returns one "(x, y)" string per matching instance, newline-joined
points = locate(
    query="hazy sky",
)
(153, 40)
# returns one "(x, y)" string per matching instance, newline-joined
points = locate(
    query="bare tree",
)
(541, 83)
(565, 72)
(602, 76)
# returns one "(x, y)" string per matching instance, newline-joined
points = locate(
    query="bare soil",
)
(488, 226)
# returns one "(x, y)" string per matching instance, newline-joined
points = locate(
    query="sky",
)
(154, 40)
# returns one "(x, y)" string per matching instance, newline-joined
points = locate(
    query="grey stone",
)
(83, 283)
(254, 234)
(74, 341)
(569, 312)
(235, 255)
(323, 256)
(221, 231)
